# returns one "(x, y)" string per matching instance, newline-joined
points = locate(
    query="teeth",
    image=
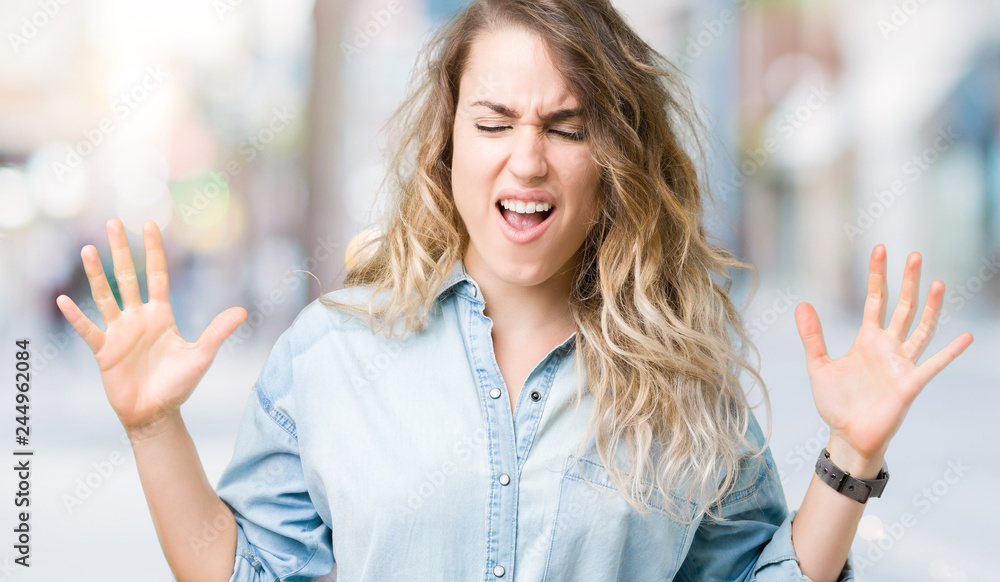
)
(525, 208)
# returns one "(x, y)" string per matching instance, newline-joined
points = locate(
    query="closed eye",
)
(492, 128)
(575, 136)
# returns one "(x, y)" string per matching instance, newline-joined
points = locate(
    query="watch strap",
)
(843, 482)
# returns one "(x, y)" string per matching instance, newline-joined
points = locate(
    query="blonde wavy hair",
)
(659, 340)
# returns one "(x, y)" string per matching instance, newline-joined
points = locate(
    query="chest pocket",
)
(597, 535)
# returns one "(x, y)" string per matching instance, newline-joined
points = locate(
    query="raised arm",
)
(864, 397)
(148, 371)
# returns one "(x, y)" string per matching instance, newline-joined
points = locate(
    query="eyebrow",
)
(559, 115)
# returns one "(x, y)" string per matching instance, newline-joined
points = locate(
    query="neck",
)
(525, 311)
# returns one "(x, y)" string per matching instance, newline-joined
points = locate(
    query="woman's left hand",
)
(864, 395)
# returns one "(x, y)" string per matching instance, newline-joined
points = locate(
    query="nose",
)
(527, 157)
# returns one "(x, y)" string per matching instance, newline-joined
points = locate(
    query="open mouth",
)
(522, 221)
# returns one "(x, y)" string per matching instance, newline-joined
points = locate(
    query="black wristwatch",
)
(857, 489)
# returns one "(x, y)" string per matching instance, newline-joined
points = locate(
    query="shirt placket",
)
(502, 499)
(509, 437)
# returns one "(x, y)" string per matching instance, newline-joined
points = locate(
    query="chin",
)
(522, 275)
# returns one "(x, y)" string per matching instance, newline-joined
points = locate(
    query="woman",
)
(544, 205)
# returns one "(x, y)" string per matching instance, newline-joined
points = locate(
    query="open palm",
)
(147, 368)
(864, 395)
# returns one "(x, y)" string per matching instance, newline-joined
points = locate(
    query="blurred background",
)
(248, 130)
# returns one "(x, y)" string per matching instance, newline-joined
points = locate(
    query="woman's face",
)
(517, 138)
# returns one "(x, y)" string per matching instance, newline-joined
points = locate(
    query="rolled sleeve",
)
(777, 561)
(753, 542)
(280, 535)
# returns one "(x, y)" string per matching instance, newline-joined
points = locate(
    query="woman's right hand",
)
(147, 368)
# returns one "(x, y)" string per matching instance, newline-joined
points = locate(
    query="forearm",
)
(196, 529)
(826, 522)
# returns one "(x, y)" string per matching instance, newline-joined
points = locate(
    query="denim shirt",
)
(401, 460)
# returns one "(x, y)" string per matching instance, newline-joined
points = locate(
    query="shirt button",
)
(536, 396)
(504, 479)
(495, 393)
(498, 571)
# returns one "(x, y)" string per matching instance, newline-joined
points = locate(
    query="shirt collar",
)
(465, 285)
(460, 280)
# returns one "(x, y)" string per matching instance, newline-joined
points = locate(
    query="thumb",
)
(811, 333)
(220, 328)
